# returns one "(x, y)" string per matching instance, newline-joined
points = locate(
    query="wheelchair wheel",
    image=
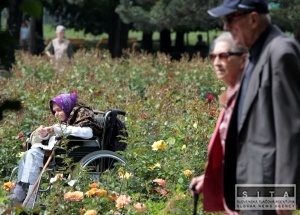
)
(43, 186)
(102, 163)
(14, 176)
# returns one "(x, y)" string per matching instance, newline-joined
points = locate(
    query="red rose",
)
(209, 98)
(21, 136)
(143, 116)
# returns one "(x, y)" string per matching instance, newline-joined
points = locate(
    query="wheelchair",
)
(92, 154)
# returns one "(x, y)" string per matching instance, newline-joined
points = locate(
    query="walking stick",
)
(38, 179)
(196, 198)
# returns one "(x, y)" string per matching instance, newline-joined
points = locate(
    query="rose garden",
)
(171, 110)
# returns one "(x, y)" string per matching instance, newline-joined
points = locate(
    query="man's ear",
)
(254, 19)
(244, 58)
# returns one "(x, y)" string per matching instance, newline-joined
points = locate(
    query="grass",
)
(190, 38)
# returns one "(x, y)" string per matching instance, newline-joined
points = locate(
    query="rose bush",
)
(171, 110)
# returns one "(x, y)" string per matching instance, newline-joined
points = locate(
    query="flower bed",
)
(171, 111)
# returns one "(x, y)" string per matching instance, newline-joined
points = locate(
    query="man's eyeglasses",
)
(229, 18)
(225, 55)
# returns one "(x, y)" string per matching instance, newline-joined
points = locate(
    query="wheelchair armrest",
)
(71, 137)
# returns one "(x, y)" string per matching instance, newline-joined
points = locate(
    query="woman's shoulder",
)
(83, 109)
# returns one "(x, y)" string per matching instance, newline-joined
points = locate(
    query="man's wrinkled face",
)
(238, 24)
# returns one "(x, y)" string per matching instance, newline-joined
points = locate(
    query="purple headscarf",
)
(65, 101)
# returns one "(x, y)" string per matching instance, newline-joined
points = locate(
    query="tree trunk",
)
(147, 42)
(32, 39)
(0, 19)
(14, 19)
(118, 36)
(36, 44)
(165, 41)
(179, 42)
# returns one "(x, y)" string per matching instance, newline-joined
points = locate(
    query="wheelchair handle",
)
(119, 112)
(98, 112)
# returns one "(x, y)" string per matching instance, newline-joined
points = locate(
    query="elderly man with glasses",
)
(262, 146)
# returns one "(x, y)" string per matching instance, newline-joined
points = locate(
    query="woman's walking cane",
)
(196, 198)
(35, 186)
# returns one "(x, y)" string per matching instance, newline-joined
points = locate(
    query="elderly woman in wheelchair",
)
(75, 120)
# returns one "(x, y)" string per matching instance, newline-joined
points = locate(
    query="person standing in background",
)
(202, 46)
(24, 35)
(60, 49)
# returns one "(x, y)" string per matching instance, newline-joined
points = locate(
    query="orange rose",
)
(122, 201)
(8, 186)
(90, 193)
(94, 185)
(99, 192)
(90, 212)
(59, 176)
(160, 182)
(140, 207)
(73, 196)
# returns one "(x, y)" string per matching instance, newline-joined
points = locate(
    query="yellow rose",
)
(159, 145)
(157, 165)
(187, 172)
(126, 175)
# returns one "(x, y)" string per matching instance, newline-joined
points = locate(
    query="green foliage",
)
(32, 8)
(78, 14)
(164, 100)
(149, 16)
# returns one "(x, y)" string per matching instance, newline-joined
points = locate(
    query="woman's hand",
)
(50, 129)
(196, 185)
(42, 131)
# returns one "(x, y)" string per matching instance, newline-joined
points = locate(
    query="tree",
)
(173, 15)
(92, 16)
(285, 14)
(9, 38)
